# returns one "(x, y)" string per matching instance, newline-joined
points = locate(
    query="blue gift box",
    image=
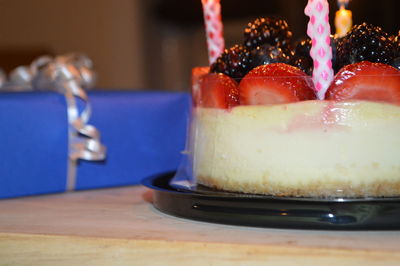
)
(144, 133)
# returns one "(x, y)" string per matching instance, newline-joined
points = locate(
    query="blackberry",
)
(234, 62)
(364, 42)
(396, 63)
(301, 54)
(304, 63)
(303, 47)
(335, 43)
(396, 46)
(272, 31)
(267, 54)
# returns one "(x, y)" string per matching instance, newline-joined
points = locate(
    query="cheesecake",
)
(310, 149)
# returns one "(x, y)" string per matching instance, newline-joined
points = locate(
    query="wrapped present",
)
(144, 133)
(48, 144)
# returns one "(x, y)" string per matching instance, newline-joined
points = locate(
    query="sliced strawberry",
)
(275, 83)
(218, 91)
(197, 73)
(366, 81)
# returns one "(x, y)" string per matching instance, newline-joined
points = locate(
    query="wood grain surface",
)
(119, 226)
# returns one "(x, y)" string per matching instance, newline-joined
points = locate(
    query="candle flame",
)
(343, 3)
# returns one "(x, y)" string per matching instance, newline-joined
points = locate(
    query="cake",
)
(258, 126)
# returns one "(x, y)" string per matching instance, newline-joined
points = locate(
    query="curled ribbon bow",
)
(67, 74)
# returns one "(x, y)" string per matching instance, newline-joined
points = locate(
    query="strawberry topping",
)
(275, 83)
(366, 81)
(197, 73)
(218, 91)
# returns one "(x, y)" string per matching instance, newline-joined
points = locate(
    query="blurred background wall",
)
(147, 44)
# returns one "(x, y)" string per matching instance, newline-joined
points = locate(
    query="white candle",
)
(214, 28)
(319, 31)
(343, 19)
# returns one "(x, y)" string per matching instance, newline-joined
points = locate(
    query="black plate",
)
(266, 211)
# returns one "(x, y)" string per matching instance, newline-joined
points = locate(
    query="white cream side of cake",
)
(297, 145)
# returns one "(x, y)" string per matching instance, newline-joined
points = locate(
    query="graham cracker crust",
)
(321, 189)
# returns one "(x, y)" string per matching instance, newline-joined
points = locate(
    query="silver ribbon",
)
(67, 74)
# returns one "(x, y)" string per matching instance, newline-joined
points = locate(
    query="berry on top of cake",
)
(366, 81)
(364, 42)
(275, 83)
(267, 54)
(365, 51)
(218, 91)
(301, 56)
(266, 40)
(396, 46)
(234, 62)
(272, 31)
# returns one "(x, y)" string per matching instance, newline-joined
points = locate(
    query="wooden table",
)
(120, 227)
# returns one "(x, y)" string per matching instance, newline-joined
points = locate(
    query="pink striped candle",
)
(319, 31)
(214, 28)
